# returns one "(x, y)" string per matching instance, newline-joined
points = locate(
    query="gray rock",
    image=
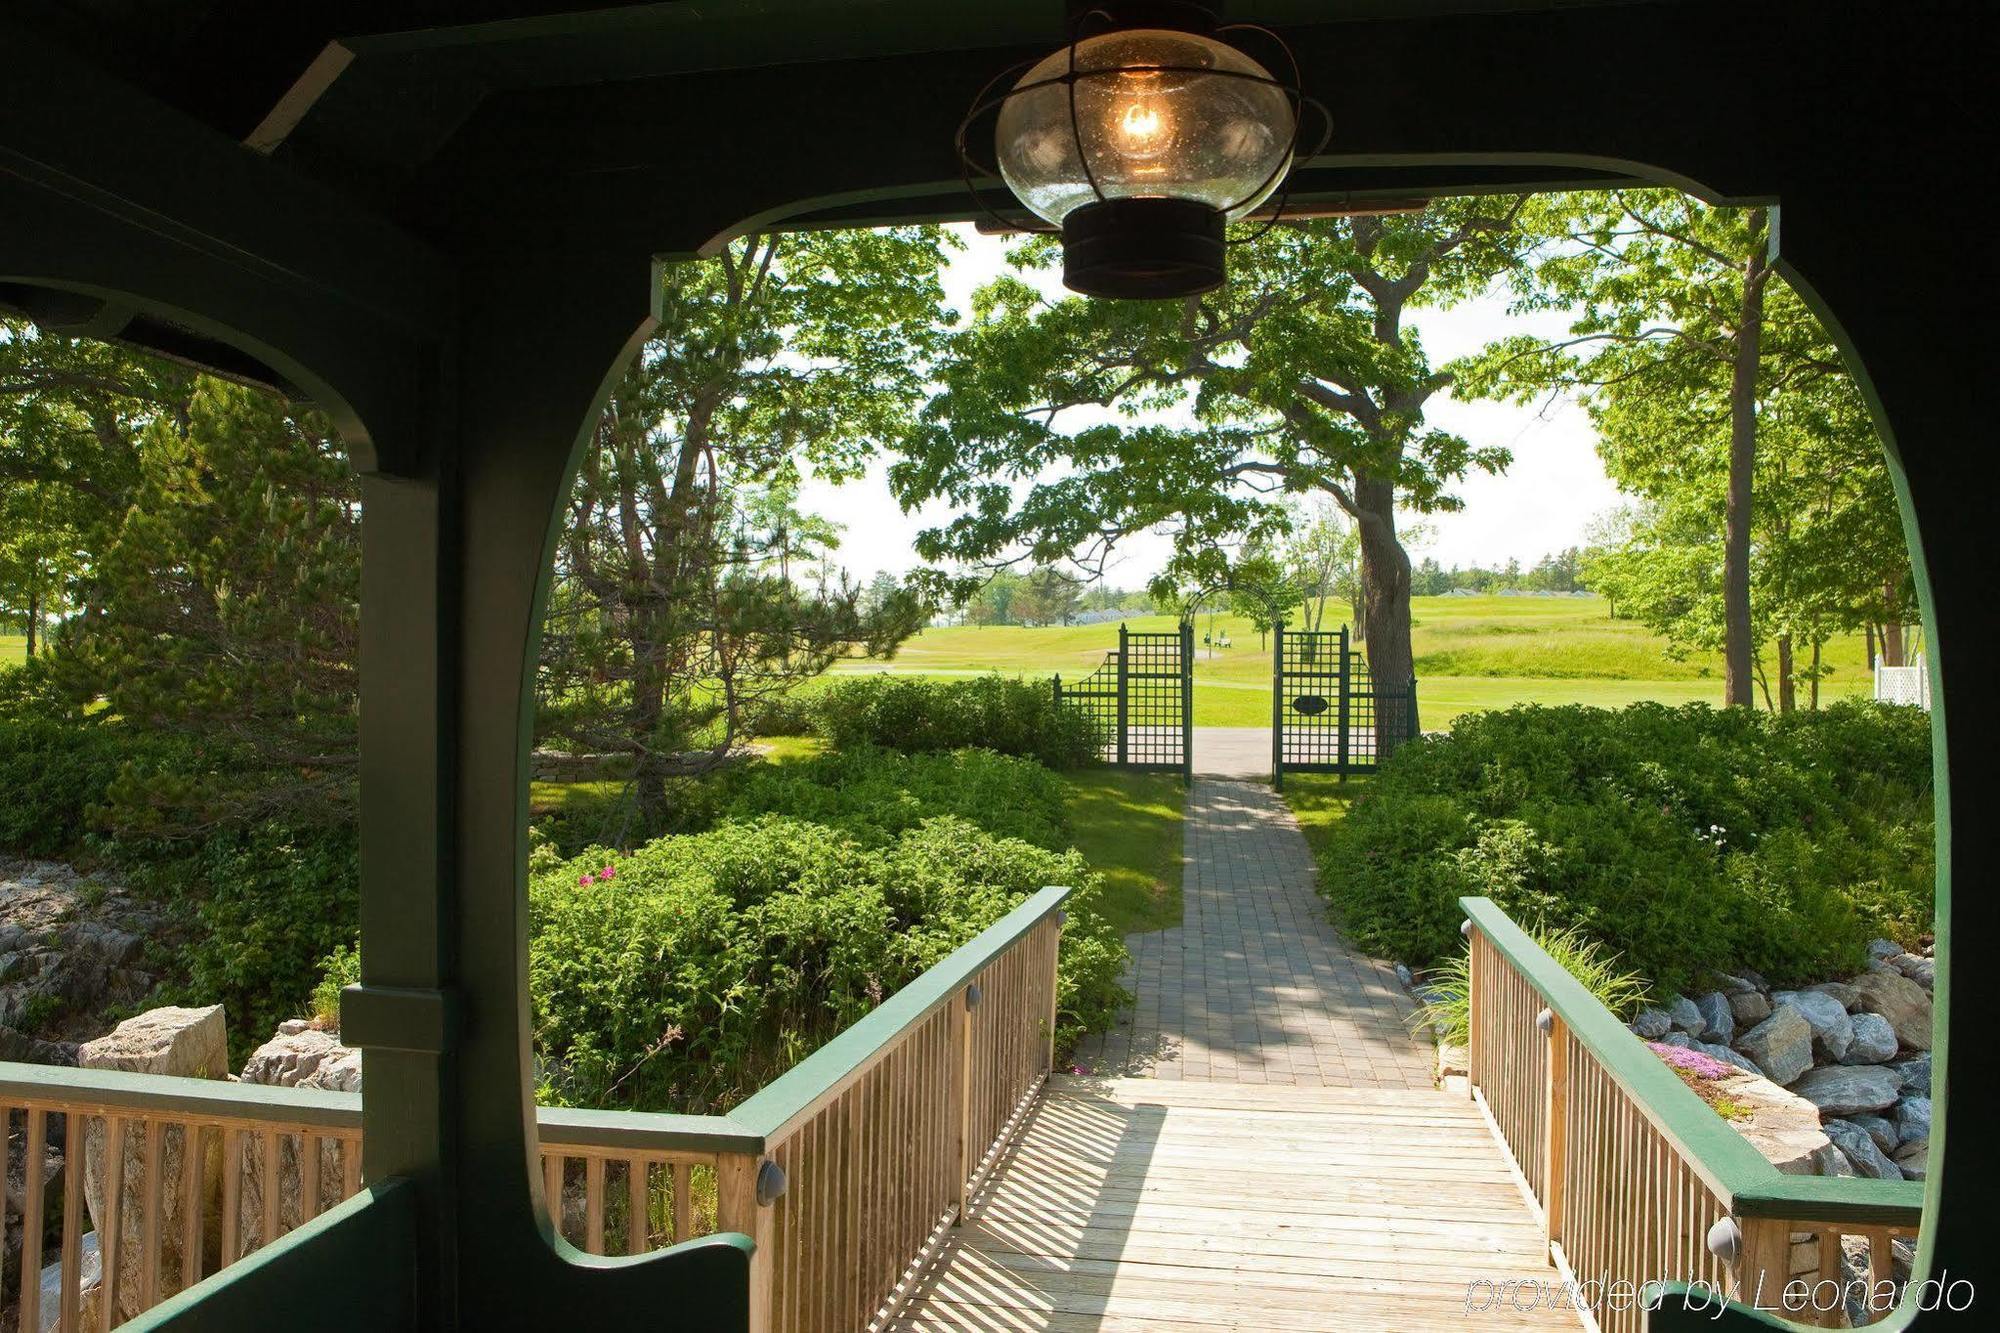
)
(1720, 1052)
(1874, 1041)
(1839, 1090)
(1839, 990)
(1881, 948)
(89, 1265)
(1652, 1024)
(1913, 1159)
(1832, 1029)
(1861, 1149)
(1733, 985)
(1902, 1001)
(1678, 1038)
(1403, 975)
(1687, 1016)
(191, 1043)
(1833, 1162)
(1881, 1130)
(1916, 1072)
(1923, 971)
(1781, 1045)
(1718, 1019)
(1913, 1120)
(1750, 1007)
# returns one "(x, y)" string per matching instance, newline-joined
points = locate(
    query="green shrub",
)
(338, 970)
(703, 965)
(876, 794)
(55, 773)
(1019, 717)
(1684, 838)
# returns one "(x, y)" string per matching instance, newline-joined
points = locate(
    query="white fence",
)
(1904, 684)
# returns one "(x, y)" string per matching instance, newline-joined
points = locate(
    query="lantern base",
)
(1143, 249)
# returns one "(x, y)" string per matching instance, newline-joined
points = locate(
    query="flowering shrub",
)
(1684, 838)
(1700, 1071)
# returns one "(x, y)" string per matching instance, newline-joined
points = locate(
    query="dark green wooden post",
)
(1413, 730)
(1346, 693)
(1124, 667)
(1187, 700)
(1278, 708)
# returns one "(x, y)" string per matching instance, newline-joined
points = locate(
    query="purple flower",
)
(1693, 1061)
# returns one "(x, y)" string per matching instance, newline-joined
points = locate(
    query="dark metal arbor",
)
(443, 229)
(1140, 700)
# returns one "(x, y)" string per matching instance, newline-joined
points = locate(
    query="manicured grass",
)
(1128, 826)
(1319, 801)
(13, 649)
(1472, 653)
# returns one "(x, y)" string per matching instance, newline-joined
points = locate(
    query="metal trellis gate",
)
(1327, 713)
(1140, 700)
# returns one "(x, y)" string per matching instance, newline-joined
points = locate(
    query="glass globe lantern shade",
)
(1158, 114)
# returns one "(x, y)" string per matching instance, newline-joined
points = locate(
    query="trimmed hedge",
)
(1684, 838)
(1018, 717)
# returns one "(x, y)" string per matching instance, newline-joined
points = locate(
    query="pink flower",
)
(585, 880)
(608, 873)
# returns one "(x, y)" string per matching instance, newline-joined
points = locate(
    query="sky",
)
(1544, 501)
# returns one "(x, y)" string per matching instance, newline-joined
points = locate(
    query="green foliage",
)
(55, 773)
(695, 969)
(1016, 717)
(1447, 991)
(338, 970)
(875, 794)
(1682, 837)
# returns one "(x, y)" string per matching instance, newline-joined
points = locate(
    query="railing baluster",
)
(153, 1203)
(110, 1236)
(273, 1189)
(593, 1204)
(70, 1301)
(194, 1164)
(638, 1237)
(683, 1184)
(308, 1177)
(35, 1132)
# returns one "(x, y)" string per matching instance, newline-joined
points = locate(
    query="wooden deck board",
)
(1131, 1204)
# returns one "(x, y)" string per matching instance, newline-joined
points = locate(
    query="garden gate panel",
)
(1140, 700)
(1327, 713)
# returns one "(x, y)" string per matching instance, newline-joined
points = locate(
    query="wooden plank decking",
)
(1131, 1204)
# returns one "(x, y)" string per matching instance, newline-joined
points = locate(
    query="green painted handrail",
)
(1743, 1179)
(821, 1075)
(750, 1129)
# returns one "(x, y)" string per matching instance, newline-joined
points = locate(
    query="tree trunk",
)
(1737, 664)
(1788, 698)
(34, 617)
(1892, 643)
(1814, 686)
(1385, 585)
(1870, 627)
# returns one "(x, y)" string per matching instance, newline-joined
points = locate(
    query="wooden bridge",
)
(1282, 1164)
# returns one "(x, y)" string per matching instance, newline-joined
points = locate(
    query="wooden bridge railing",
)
(1638, 1180)
(847, 1171)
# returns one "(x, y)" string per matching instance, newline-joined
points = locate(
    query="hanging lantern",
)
(1140, 143)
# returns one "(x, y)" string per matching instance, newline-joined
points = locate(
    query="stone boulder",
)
(1881, 948)
(1874, 1041)
(1718, 1018)
(1833, 1030)
(1720, 1052)
(1783, 1127)
(1916, 1072)
(1860, 1148)
(1880, 1128)
(1781, 1045)
(1652, 1024)
(299, 1056)
(1913, 1120)
(1902, 1001)
(1840, 991)
(1686, 1016)
(70, 947)
(1913, 1159)
(1750, 1007)
(183, 1043)
(1839, 1090)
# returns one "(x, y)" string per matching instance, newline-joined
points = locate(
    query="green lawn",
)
(1472, 653)
(1319, 801)
(13, 649)
(1128, 826)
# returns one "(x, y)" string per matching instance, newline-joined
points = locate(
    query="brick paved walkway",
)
(1254, 985)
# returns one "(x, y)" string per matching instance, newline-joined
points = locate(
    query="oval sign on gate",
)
(1309, 705)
